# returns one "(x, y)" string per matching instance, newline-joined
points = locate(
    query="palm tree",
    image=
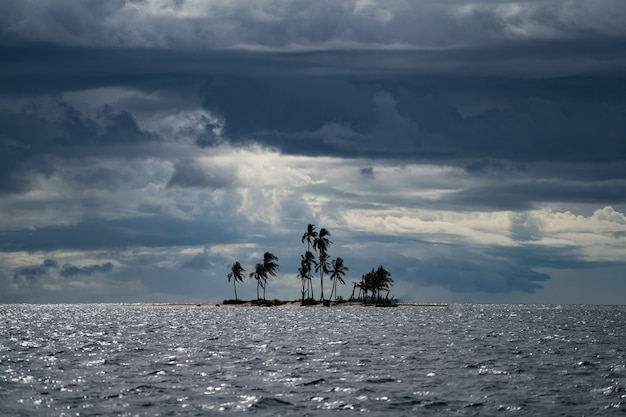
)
(310, 235)
(367, 284)
(336, 274)
(382, 281)
(303, 274)
(237, 274)
(322, 243)
(322, 267)
(308, 259)
(270, 267)
(355, 285)
(258, 275)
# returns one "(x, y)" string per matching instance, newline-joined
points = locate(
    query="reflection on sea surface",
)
(466, 359)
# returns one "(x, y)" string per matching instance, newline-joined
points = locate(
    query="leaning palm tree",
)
(258, 275)
(322, 243)
(355, 285)
(336, 274)
(270, 267)
(236, 274)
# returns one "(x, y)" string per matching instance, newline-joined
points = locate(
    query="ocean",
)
(518, 360)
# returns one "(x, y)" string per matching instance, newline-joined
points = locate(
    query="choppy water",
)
(463, 360)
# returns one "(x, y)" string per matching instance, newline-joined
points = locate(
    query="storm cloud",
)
(475, 149)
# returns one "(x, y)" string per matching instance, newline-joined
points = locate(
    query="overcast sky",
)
(475, 149)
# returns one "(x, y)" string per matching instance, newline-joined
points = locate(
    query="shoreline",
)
(286, 305)
(291, 304)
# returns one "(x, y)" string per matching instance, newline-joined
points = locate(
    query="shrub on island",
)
(234, 301)
(268, 303)
(309, 302)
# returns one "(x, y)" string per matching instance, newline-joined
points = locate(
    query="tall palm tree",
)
(310, 235)
(237, 274)
(322, 267)
(322, 243)
(303, 274)
(308, 259)
(337, 274)
(258, 275)
(270, 267)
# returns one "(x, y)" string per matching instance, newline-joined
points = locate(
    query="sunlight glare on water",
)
(461, 360)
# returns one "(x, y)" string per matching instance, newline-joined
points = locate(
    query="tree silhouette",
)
(322, 243)
(303, 274)
(322, 267)
(366, 285)
(375, 282)
(336, 275)
(355, 285)
(307, 261)
(309, 236)
(270, 268)
(236, 274)
(258, 275)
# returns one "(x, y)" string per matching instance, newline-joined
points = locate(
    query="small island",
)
(373, 289)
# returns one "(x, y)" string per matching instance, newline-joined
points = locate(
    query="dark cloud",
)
(529, 193)
(29, 275)
(99, 177)
(200, 261)
(32, 274)
(189, 174)
(479, 274)
(50, 263)
(35, 139)
(69, 270)
(148, 231)
(569, 119)
(460, 268)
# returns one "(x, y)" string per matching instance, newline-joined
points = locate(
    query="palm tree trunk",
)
(353, 289)
(311, 287)
(235, 286)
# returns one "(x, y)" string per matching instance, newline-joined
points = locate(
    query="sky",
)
(475, 149)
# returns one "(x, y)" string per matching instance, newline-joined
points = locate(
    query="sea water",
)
(520, 360)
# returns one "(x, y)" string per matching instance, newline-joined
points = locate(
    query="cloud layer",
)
(476, 149)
